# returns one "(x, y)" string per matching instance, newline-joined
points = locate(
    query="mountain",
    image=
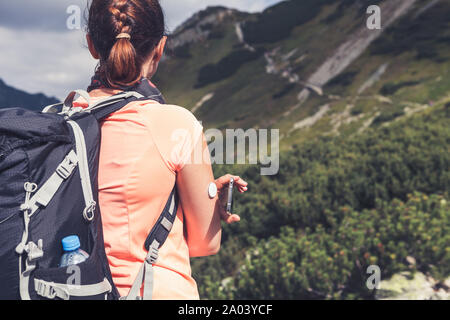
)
(364, 170)
(309, 67)
(364, 162)
(11, 97)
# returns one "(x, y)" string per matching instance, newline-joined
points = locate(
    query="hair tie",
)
(124, 36)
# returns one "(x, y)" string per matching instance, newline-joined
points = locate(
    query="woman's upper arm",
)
(179, 138)
(202, 223)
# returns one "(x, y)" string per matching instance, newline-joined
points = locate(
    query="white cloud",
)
(49, 62)
(37, 14)
(55, 61)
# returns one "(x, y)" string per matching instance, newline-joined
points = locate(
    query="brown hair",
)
(121, 59)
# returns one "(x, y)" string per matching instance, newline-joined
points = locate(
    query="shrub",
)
(277, 22)
(287, 88)
(182, 52)
(332, 262)
(345, 79)
(387, 116)
(226, 67)
(391, 88)
(337, 205)
(357, 110)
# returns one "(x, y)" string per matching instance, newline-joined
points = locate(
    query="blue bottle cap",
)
(71, 243)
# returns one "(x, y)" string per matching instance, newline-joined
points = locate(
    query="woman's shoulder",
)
(168, 113)
(174, 129)
(168, 121)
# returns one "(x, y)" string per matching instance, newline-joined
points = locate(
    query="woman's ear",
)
(92, 50)
(159, 50)
(151, 65)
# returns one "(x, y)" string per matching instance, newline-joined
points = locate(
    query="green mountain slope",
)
(309, 68)
(339, 205)
(364, 167)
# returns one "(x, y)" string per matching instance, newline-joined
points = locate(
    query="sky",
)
(39, 53)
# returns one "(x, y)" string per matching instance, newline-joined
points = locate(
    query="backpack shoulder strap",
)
(155, 240)
(142, 92)
(159, 233)
(163, 226)
(105, 108)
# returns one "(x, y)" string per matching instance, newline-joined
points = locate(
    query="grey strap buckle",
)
(153, 253)
(167, 224)
(50, 291)
(66, 167)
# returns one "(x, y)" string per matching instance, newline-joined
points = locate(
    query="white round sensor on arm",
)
(212, 190)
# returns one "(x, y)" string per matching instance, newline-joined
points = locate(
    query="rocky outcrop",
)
(241, 38)
(310, 121)
(373, 78)
(199, 26)
(350, 50)
(202, 101)
(409, 286)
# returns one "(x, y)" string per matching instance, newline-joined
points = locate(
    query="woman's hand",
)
(222, 186)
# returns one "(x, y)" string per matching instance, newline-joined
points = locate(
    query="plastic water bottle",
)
(72, 253)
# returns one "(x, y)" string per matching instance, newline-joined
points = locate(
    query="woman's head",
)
(125, 59)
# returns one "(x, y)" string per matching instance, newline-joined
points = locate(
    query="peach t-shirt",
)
(143, 147)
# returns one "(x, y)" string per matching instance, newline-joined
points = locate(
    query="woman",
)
(142, 156)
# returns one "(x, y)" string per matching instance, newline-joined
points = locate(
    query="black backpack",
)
(49, 190)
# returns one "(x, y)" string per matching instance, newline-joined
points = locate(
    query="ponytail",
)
(122, 66)
(124, 33)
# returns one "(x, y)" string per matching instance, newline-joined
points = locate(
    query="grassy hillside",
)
(364, 174)
(339, 205)
(405, 69)
(410, 70)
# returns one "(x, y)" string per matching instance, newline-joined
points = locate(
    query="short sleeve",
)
(176, 132)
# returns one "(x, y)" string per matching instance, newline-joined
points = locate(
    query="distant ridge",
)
(11, 97)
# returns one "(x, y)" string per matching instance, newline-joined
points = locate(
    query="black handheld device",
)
(229, 206)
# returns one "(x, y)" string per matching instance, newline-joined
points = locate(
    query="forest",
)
(337, 206)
